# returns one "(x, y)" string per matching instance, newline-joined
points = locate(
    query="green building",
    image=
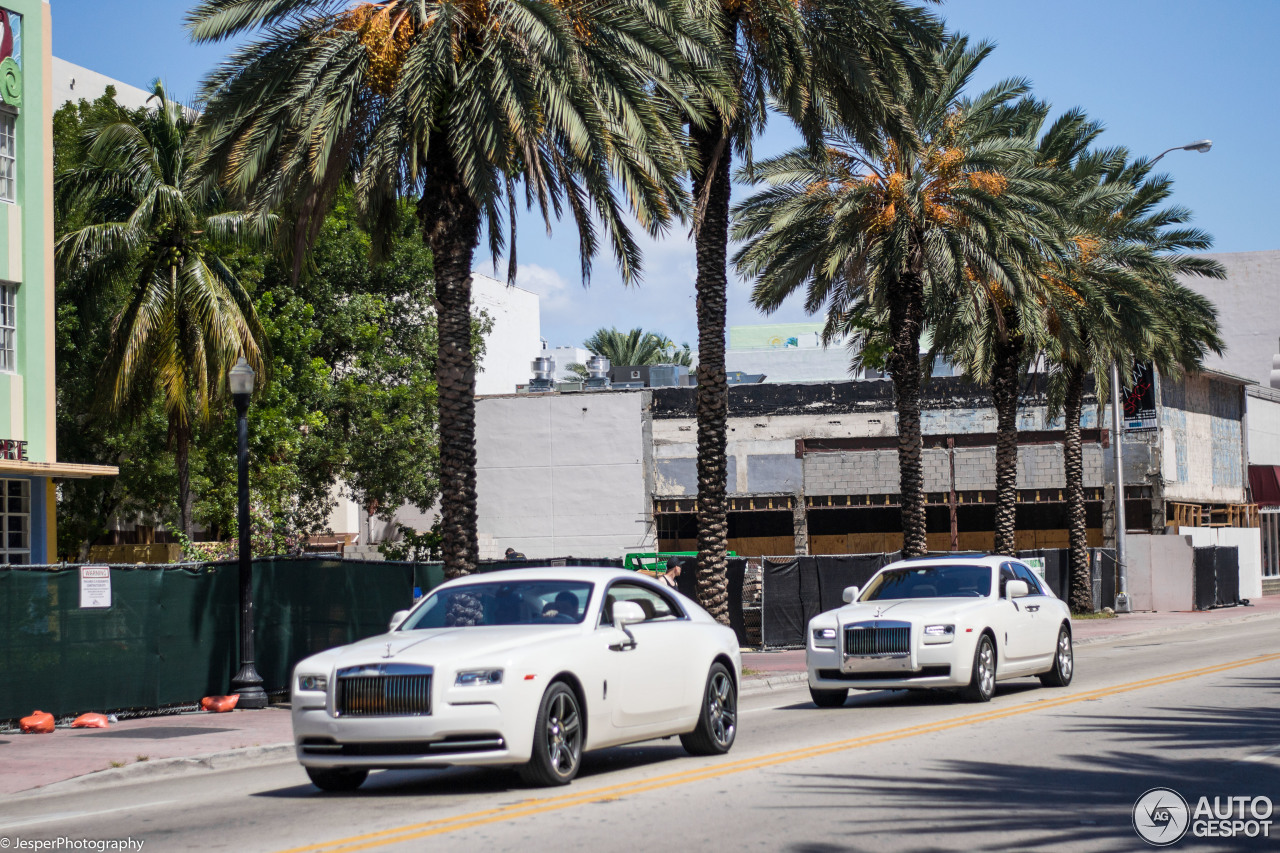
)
(29, 467)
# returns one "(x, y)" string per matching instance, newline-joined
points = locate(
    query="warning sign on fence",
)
(95, 586)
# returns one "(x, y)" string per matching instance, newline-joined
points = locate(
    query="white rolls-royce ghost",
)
(947, 621)
(527, 667)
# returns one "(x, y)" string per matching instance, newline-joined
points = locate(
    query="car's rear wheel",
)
(828, 698)
(718, 722)
(982, 684)
(557, 739)
(336, 778)
(1064, 664)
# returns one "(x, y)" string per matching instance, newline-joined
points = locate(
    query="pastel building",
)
(29, 467)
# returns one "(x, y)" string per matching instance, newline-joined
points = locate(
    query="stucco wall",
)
(562, 475)
(1246, 303)
(1202, 449)
(514, 340)
(1264, 426)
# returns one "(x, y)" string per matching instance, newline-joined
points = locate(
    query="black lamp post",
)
(247, 683)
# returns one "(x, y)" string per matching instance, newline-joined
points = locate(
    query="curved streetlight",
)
(247, 683)
(1122, 581)
(1201, 145)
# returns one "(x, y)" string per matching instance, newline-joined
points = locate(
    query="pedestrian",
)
(672, 573)
(513, 554)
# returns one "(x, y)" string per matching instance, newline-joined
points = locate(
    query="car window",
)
(655, 604)
(532, 602)
(1006, 575)
(1024, 573)
(936, 581)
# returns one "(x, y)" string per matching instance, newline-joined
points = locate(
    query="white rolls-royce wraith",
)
(947, 621)
(527, 667)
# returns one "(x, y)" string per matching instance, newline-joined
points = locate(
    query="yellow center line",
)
(595, 795)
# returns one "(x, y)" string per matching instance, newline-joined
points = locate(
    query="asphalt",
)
(155, 747)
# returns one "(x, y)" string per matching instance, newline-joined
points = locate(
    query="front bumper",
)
(474, 733)
(929, 666)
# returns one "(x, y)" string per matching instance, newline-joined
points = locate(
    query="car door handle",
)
(1033, 607)
(625, 646)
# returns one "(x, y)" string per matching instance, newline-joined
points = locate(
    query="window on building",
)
(8, 327)
(8, 157)
(15, 522)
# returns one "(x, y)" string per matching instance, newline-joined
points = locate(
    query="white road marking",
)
(65, 815)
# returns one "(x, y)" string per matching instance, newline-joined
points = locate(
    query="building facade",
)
(29, 466)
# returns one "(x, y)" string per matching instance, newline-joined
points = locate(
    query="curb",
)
(757, 685)
(1150, 632)
(161, 768)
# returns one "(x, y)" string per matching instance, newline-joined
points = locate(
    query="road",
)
(1036, 769)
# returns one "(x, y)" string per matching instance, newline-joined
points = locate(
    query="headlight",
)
(824, 637)
(939, 633)
(313, 682)
(478, 676)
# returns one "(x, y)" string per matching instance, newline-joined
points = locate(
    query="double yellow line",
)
(543, 805)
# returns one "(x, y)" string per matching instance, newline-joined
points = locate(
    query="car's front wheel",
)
(557, 739)
(828, 698)
(982, 684)
(336, 778)
(718, 722)
(1063, 662)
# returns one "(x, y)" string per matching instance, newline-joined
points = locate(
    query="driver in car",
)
(564, 606)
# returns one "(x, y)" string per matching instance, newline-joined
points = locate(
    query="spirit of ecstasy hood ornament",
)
(388, 654)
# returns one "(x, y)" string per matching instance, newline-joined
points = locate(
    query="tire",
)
(557, 739)
(718, 721)
(1064, 664)
(982, 684)
(336, 778)
(828, 698)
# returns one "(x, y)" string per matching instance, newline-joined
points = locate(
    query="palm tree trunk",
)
(451, 227)
(906, 319)
(182, 457)
(1004, 391)
(711, 189)
(1081, 583)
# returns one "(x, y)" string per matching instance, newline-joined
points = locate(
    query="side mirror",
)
(1016, 589)
(396, 619)
(850, 594)
(626, 613)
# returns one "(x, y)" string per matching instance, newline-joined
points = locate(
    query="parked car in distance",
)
(525, 667)
(941, 622)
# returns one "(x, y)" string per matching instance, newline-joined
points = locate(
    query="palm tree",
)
(457, 104)
(872, 227)
(815, 60)
(150, 227)
(634, 347)
(1131, 308)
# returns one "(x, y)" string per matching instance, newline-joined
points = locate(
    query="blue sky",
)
(1159, 73)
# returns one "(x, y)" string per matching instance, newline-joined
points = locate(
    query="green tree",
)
(146, 222)
(454, 105)
(634, 347)
(849, 60)
(874, 230)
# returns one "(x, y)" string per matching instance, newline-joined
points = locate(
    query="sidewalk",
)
(131, 750)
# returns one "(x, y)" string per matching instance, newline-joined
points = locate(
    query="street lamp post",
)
(1122, 579)
(247, 684)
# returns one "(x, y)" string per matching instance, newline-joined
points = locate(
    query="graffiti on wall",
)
(11, 58)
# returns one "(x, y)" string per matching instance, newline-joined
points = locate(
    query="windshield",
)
(930, 582)
(532, 602)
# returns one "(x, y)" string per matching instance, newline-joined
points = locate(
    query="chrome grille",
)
(877, 639)
(387, 690)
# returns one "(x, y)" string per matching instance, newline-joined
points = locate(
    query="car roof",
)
(590, 574)
(970, 559)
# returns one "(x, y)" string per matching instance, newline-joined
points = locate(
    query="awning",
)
(61, 470)
(1264, 480)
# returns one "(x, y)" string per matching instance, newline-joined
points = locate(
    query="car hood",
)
(911, 609)
(441, 646)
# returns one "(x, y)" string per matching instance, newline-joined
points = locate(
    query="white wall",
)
(71, 82)
(1264, 426)
(515, 340)
(1246, 303)
(1248, 541)
(562, 475)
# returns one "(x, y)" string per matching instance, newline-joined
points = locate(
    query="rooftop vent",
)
(544, 370)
